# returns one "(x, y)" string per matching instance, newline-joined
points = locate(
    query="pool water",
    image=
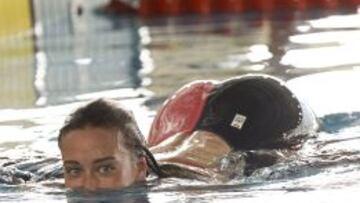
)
(140, 62)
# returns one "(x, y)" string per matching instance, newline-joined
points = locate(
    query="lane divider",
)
(149, 8)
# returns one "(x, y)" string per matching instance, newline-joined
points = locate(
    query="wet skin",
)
(96, 159)
(199, 151)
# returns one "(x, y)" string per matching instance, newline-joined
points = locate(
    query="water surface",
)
(139, 62)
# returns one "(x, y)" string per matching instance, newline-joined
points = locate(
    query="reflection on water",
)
(82, 52)
(78, 56)
(330, 92)
(70, 54)
(217, 47)
(134, 194)
(16, 55)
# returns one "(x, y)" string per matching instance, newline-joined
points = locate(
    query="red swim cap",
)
(181, 112)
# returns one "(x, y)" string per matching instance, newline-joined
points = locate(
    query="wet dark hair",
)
(105, 114)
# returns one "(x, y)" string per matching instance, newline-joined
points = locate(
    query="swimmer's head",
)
(257, 112)
(102, 148)
(250, 112)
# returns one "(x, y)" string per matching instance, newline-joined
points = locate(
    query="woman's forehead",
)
(93, 139)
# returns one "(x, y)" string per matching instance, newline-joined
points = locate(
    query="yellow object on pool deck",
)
(15, 17)
(16, 54)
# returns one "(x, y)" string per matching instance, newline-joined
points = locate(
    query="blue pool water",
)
(139, 62)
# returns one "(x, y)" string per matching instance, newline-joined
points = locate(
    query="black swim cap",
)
(257, 112)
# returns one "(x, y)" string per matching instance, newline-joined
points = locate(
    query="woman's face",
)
(95, 159)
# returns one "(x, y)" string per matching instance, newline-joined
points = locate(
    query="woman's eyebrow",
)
(71, 162)
(109, 158)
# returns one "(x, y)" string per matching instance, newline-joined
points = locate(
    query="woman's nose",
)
(89, 183)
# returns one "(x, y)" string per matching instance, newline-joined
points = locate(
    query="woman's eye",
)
(73, 171)
(105, 170)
